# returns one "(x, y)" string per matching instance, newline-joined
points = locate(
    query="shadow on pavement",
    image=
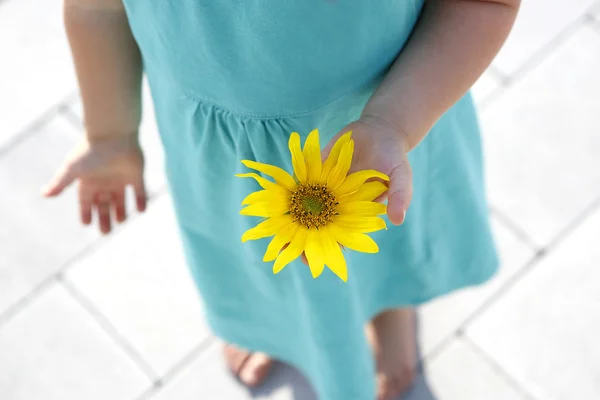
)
(284, 376)
(420, 391)
(288, 377)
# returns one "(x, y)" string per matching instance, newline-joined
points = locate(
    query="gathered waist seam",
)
(259, 116)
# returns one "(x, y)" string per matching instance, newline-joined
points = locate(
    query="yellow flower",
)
(317, 211)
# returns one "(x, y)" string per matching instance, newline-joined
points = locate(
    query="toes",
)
(385, 387)
(235, 358)
(256, 369)
(406, 378)
(250, 368)
(390, 387)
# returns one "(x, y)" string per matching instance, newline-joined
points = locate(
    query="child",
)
(231, 80)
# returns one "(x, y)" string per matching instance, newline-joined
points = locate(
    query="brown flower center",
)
(312, 205)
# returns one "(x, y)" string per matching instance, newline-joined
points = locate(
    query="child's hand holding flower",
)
(380, 146)
(326, 204)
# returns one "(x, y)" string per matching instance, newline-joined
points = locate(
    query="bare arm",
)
(108, 65)
(109, 71)
(452, 45)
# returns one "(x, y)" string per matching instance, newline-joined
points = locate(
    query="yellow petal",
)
(360, 223)
(353, 240)
(267, 228)
(312, 155)
(297, 157)
(366, 192)
(333, 254)
(314, 253)
(281, 239)
(357, 208)
(293, 251)
(353, 181)
(339, 172)
(264, 183)
(332, 159)
(265, 196)
(281, 176)
(265, 209)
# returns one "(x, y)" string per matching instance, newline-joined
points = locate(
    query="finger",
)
(141, 198)
(329, 146)
(327, 149)
(304, 259)
(399, 193)
(103, 208)
(85, 206)
(86, 213)
(60, 181)
(118, 201)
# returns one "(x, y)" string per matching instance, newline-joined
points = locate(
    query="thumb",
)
(327, 149)
(60, 181)
(400, 192)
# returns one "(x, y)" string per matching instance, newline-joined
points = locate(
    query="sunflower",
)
(318, 209)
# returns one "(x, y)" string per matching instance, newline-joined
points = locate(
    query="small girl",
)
(231, 80)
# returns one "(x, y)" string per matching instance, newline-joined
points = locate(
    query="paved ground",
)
(85, 317)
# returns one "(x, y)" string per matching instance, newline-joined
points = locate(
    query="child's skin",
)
(453, 43)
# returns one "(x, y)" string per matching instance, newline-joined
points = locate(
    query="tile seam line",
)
(517, 230)
(531, 265)
(33, 128)
(178, 368)
(489, 100)
(109, 329)
(497, 75)
(21, 304)
(497, 367)
(542, 53)
(575, 223)
(595, 25)
(539, 55)
(484, 305)
(521, 273)
(189, 358)
(15, 309)
(73, 119)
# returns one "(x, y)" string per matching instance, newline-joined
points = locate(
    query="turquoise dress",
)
(231, 79)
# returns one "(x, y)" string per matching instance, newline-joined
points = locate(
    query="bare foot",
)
(251, 368)
(392, 336)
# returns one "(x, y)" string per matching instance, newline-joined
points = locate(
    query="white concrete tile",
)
(208, 378)
(36, 70)
(596, 11)
(37, 235)
(55, 350)
(538, 23)
(150, 141)
(459, 373)
(545, 330)
(484, 87)
(140, 282)
(542, 143)
(440, 318)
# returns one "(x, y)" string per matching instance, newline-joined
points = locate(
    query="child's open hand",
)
(104, 169)
(381, 146)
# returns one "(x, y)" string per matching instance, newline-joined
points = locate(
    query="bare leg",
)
(392, 336)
